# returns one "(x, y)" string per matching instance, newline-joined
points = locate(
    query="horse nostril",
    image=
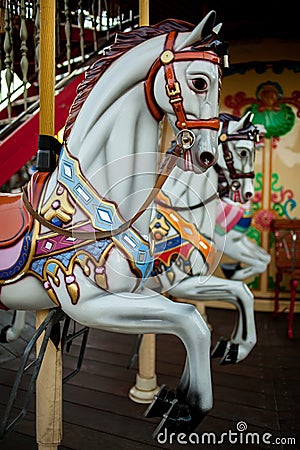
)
(248, 195)
(207, 159)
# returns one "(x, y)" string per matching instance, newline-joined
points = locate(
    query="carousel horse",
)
(184, 231)
(230, 239)
(232, 224)
(78, 238)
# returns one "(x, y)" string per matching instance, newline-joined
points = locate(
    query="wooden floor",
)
(263, 391)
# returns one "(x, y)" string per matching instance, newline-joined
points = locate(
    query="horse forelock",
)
(226, 117)
(124, 42)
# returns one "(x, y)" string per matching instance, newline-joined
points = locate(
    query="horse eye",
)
(243, 153)
(200, 84)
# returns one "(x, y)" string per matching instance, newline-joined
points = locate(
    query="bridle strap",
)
(165, 170)
(219, 194)
(224, 139)
(173, 88)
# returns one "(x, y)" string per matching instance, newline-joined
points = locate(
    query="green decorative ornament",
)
(277, 123)
(270, 111)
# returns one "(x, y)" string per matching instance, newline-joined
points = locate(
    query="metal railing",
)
(83, 29)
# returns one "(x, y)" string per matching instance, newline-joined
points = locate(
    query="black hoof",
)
(219, 349)
(230, 268)
(161, 402)
(231, 356)
(176, 420)
(3, 334)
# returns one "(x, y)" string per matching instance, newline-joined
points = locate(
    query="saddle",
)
(16, 227)
(17, 220)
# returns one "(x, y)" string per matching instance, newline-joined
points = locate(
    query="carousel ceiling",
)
(254, 19)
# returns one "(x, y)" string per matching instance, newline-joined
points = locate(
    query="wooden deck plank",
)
(263, 391)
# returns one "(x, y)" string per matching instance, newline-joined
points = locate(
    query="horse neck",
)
(118, 158)
(188, 189)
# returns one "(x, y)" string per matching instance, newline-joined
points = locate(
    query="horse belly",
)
(25, 294)
(119, 276)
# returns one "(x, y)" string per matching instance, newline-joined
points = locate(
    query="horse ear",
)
(217, 28)
(204, 28)
(235, 126)
(247, 118)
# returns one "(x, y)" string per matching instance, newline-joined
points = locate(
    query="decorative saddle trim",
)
(233, 216)
(104, 214)
(189, 235)
(16, 230)
(17, 221)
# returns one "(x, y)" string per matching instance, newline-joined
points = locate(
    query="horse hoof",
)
(3, 334)
(219, 349)
(231, 356)
(176, 420)
(161, 402)
(229, 269)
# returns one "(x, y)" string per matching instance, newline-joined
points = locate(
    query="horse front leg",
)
(243, 338)
(149, 312)
(255, 258)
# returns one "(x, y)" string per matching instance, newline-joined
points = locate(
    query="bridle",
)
(185, 137)
(250, 132)
(173, 88)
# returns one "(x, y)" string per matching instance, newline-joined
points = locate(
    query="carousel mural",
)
(274, 103)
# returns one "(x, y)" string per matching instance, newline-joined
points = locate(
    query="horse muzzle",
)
(205, 158)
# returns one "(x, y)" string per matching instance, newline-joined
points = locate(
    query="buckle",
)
(171, 91)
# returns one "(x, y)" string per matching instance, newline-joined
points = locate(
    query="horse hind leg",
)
(11, 333)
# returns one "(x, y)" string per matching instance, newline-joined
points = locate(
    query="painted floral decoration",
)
(263, 218)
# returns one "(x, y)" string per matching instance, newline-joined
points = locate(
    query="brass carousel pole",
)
(146, 382)
(49, 382)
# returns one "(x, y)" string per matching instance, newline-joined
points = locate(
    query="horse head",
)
(238, 140)
(184, 84)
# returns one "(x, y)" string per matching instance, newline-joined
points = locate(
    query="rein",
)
(166, 168)
(219, 194)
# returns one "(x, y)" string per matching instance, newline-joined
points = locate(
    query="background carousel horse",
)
(185, 248)
(79, 238)
(233, 222)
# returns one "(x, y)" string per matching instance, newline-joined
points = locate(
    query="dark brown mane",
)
(123, 43)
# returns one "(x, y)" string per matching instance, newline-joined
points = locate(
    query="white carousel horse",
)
(78, 238)
(184, 234)
(232, 224)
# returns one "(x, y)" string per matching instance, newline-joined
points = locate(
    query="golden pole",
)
(146, 382)
(144, 12)
(266, 204)
(49, 381)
